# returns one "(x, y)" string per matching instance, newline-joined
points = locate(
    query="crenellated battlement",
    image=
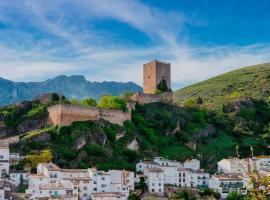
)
(66, 114)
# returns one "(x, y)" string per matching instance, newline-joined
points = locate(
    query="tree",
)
(88, 102)
(199, 101)
(142, 184)
(162, 86)
(133, 196)
(112, 102)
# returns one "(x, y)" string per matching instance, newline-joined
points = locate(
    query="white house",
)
(192, 164)
(228, 182)
(192, 178)
(154, 180)
(4, 160)
(234, 165)
(262, 163)
(18, 177)
(165, 162)
(63, 190)
(140, 166)
(122, 181)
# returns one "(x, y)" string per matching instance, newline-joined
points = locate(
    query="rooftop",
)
(229, 176)
(155, 169)
(51, 166)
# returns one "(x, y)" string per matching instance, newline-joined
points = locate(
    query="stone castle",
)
(154, 72)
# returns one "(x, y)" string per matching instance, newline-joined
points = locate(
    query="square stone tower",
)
(153, 73)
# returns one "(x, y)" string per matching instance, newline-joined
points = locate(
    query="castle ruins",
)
(154, 72)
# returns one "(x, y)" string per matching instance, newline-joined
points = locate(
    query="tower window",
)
(148, 77)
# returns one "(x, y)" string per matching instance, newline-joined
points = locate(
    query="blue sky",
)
(108, 40)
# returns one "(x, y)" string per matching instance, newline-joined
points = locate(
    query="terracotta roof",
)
(51, 166)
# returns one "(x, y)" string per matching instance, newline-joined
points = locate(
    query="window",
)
(103, 185)
(153, 184)
(159, 190)
(102, 178)
(184, 180)
(159, 184)
(1, 157)
(95, 189)
(179, 174)
(85, 195)
(153, 190)
(85, 188)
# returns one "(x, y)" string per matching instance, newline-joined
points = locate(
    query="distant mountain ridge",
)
(75, 86)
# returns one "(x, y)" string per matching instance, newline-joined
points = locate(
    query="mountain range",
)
(69, 86)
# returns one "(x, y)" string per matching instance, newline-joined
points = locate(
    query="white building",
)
(234, 165)
(192, 164)
(165, 162)
(122, 181)
(154, 180)
(82, 183)
(140, 166)
(226, 183)
(4, 160)
(192, 178)
(18, 177)
(262, 163)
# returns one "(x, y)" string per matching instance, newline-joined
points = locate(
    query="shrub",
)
(88, 102)
(112, 102)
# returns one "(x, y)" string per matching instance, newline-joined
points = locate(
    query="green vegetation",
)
(84, 102)
(253, 81)
(112, 102)
(160, 129)
(162, 86)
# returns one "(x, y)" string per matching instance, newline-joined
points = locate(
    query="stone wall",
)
(143, 98)
(66, 114)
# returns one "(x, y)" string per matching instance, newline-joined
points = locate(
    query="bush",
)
(112, 102)
(88, 102)
(235, 196)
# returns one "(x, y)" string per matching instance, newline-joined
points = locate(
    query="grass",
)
(250, 81)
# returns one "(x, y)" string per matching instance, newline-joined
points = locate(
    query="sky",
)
(109, 40)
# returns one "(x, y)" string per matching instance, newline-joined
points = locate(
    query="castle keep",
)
(153, 73)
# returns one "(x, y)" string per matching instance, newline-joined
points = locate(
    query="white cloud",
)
(102, 58)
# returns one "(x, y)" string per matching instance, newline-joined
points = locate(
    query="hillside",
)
(155, 130)
(71, 87)
(253, 81)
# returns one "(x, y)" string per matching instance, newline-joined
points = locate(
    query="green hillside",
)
(253, 81)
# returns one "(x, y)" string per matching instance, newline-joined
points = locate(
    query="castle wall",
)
(65, 114)
(143, 98)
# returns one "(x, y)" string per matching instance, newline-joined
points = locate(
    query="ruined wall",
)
(65, 114)
(143, 98)
(154, 72)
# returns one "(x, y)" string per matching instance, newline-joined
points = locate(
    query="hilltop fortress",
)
(154, 73)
